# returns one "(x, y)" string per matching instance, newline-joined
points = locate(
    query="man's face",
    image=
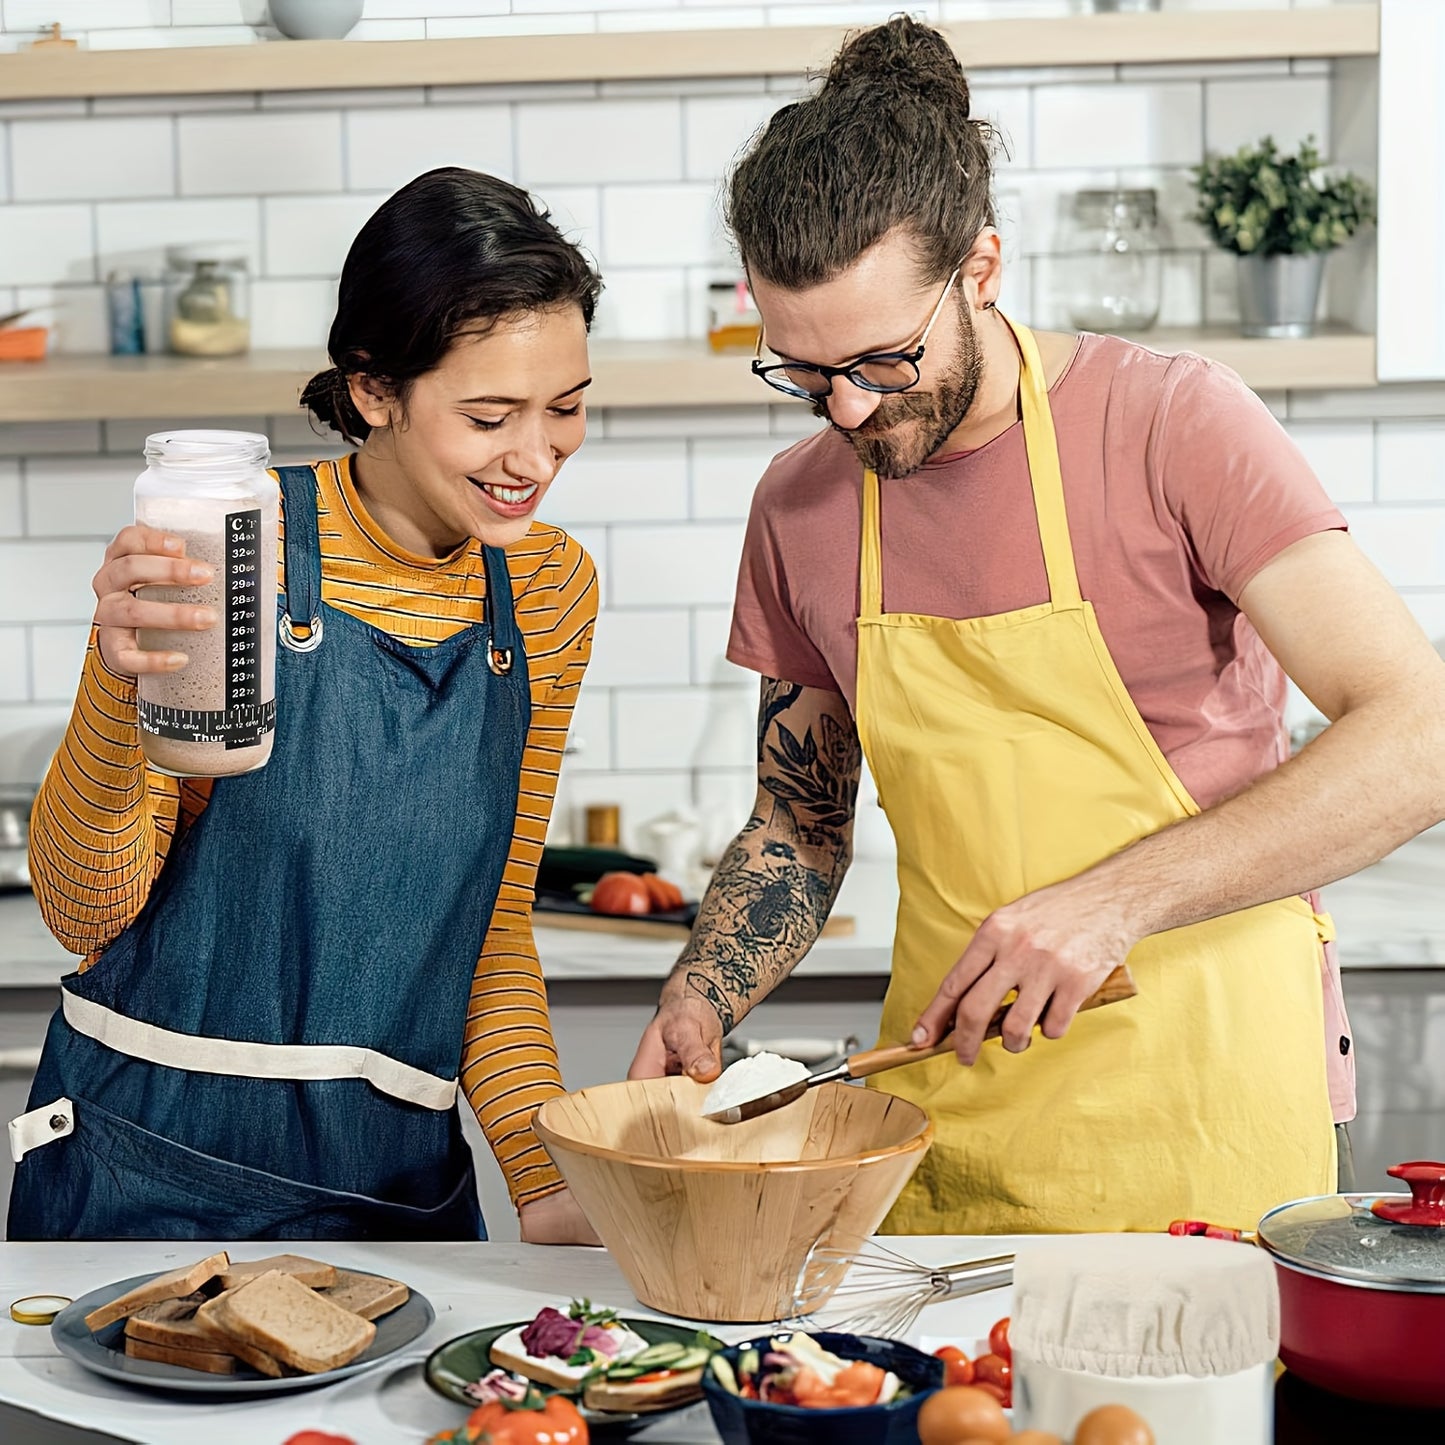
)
(877, 305)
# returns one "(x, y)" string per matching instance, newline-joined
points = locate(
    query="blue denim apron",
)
(339, 896)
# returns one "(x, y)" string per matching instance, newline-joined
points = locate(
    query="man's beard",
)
(910, 426)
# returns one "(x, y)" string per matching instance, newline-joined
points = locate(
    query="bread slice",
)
(169, 1286)
(276, 1313)
(213, 1362)
(311, 1272)
(173, 1323)
(679, 1387)
(367, 1295)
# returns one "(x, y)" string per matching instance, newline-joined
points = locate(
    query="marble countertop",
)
(1390, 915)
(469, 1286)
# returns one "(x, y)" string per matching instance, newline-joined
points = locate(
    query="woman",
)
(365, 896)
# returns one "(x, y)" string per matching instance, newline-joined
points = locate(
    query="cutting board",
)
(550, 911)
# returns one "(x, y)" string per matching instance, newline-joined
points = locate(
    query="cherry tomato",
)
(553, 1421)
(319, 1437)
(998, 1340)
(994, 1370)
(1004, 1397)
(957, 1367)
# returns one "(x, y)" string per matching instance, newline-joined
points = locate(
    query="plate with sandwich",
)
(231, 1327)
(620, 1372)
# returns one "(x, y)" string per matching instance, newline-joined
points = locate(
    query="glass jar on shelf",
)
(1111, 270)
(207, 299)
(733, 322)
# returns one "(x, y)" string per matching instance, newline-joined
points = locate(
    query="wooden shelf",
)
(626, 374)
(1319, 32)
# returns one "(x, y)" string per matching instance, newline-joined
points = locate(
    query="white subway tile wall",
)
(632, 171)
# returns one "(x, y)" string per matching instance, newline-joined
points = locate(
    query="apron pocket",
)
(113, 1179)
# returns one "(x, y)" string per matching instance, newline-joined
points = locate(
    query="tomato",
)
(1004, 1397)
(319, 1437)
(553, 1421)
(998, 1340)
(957, 1367)
(621, 893)
(664, 896)
(994, 1370)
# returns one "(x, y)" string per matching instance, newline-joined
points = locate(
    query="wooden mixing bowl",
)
(713, 1221)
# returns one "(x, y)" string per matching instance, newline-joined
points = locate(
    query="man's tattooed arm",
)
(778, 879)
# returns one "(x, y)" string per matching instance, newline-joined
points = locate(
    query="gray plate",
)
(104, 1353)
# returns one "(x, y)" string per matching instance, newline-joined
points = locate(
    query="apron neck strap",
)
(500, 612)
(303, 545)
(870, 558)
(1045, 475)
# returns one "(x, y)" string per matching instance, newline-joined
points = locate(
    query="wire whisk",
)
(875, 1291)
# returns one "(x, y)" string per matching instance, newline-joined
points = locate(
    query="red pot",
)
(1362, 1289)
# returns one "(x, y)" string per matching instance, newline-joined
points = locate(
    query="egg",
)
(1035, 1437)
(962, 1415)
(1113, 1425)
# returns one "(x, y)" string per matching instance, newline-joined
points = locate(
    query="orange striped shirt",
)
(104, 822)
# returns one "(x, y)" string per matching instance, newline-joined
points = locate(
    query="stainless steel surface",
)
(16, 801)
(1279, 295)
(869, 1289)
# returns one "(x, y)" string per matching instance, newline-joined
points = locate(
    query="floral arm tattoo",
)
(778, 879)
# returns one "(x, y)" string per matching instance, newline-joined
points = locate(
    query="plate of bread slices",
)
(621, 1373)
(232, 1327)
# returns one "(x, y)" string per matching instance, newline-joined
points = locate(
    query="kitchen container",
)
(1110, 266)
(1362, 1289)
(1182, 1331)
(207, 299)
(714, 1221)
(217, 715)
(759, 1422)
(733, 320)
(15, 804)
(315, 19)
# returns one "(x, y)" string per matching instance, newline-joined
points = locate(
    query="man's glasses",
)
(880, 371)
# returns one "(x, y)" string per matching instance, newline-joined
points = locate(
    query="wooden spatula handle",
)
(1119, 985)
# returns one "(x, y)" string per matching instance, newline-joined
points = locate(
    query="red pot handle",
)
(1426, 1204)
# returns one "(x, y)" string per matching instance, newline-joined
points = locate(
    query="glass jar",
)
(1110, 267)
(733, 322)
(217, 715)
(208, 299)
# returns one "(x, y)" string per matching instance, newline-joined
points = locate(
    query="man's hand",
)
(685, 1037)
(555, 1219)
(1056, 947)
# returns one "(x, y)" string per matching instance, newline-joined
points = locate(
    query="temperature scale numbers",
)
(243, 611)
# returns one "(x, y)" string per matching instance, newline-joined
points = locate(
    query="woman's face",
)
(483, 434)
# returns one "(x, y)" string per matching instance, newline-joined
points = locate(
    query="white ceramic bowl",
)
(315, 19)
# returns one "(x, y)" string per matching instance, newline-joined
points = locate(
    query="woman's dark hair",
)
(452, 251)
(886, 143)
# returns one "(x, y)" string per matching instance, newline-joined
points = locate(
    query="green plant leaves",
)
(1260, 202)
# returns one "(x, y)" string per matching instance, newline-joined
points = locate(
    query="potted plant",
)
(1281, 215)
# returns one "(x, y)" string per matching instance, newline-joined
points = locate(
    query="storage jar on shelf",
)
(208, 300)
(1110, 269)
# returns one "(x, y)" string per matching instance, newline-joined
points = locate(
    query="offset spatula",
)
(1119, 985)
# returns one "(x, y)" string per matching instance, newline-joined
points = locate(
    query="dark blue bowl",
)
(756, 1422)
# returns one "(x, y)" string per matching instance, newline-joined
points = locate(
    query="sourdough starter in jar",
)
(217, 715)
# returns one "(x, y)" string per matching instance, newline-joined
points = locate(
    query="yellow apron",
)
(1009, 756)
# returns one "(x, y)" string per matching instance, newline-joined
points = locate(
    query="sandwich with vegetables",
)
(590, 1354)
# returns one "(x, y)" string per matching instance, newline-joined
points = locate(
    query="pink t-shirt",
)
(1180, 486)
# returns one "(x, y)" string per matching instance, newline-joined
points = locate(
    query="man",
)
(1051, 586)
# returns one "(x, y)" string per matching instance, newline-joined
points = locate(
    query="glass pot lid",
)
(1383, 1241)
